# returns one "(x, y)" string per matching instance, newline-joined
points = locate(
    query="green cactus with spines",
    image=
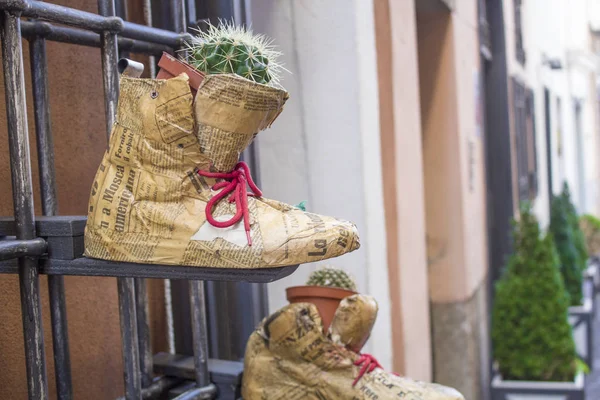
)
(229, 49)
(331, 277)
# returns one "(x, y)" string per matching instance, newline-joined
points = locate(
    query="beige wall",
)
(433, 167)
(403, 185)
(453, 153)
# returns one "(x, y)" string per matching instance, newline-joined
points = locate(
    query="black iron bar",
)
(92, 267)
(94, 22)
(122, 12)
(110, 75)
(199, 332)
(143, 316)
(64, 34)
(33, 332)
(129, 338)
(191, 13)
(60, 337)
(10, 249)
(45, 152)
(155, 35)
(178, 15)
(201, 393)
(41, 105)
(159, 387)
(65, 15)
(147, 8)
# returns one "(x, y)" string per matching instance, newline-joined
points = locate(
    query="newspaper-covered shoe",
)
(289, 358)
(353, 321)
(170, 189)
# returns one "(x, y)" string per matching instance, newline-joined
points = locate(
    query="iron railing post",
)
(143, 329)
(129, 338)
(12, 57)
(45, 152)
(199, 332)
(110, 56)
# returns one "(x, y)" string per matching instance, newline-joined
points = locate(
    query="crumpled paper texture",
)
(147, 202)
(289, 358)
(353, 321)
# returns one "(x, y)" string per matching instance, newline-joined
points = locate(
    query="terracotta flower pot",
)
(327, 299)
(171, 67)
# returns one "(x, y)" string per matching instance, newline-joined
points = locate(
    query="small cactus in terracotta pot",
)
(331, 277)
(325, 288)
(229, 49)
(226, 49)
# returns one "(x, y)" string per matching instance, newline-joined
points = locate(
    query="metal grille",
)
(21, 252)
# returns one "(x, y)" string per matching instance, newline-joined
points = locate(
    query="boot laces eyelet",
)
(233, 184)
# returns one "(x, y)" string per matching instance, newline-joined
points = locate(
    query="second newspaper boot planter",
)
(170, 189)
(290, 357)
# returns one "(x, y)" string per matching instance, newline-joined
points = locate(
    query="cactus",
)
(229, 49)
(331, 277)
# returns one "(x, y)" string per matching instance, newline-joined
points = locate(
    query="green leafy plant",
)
(570, 260)
(578, 236)
(229, 49)
(331, 277)
(590, 226)
(530, 332)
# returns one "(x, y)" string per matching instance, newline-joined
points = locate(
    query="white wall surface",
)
(325, 146)
(560, 30)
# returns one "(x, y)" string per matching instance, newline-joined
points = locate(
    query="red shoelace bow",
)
(234, 182)
(368, 363)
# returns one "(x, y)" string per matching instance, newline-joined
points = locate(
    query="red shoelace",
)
(368, 363)
(233, 183)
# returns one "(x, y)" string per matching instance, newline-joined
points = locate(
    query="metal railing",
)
(21, 254)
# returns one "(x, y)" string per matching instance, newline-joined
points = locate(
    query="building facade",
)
(426, 122)
(408, 167)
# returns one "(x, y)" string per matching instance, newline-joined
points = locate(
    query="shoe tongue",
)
(230, 111)
(353, 321)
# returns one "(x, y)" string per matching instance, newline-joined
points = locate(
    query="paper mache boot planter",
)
(171, 190)
(289, 357)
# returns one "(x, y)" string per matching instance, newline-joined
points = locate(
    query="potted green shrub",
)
(573, 217)
(572, 266)
(590, 226)
(569, 257)
(533, 346)
(325, 288)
